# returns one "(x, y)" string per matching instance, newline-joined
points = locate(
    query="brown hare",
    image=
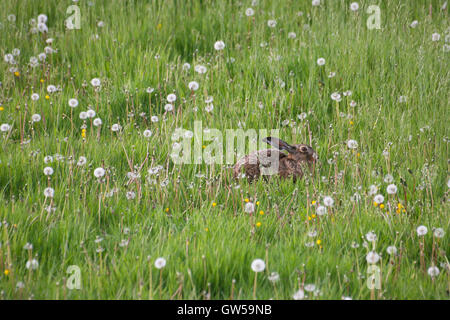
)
(291, 164)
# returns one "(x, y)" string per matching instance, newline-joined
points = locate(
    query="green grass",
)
(209, 249)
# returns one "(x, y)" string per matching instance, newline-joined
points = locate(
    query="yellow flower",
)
(258, 224)
(313, 215)
(167, 210)
(398, 211)
(399, 205)
(206, 229)
(351, 122)
(313, 202)
(257, 203)
(318, 242)
(83, 133)
(381, 206)
(1, 108)
(309, 218)
(203, 146)
(214, 204)
(47, 96)
(6, 272)
(246, 200)
(159, 26)
(403, 210)
(358, 154)
(41, 81)
(261, 212)
(375, 204)
(17, 73)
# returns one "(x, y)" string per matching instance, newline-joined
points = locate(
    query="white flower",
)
(379, 198)
(249, 12)
(16, 52)
(160, 263)
(154, 119)
(5, 127)
(168, 107)
(49, 192)
(414, 24)
(292, 35)
(321, 61)
(439, 233)
(171, 98)
(435, 37)
(42, 27)
(310, 287)
(51, 88)
(149, 90)
(209, 107)
(272, 23)
(42, 18)
(258, 265)
(249, 207)
(336, 96)
(373, 189)
(95, 82)
(321, 210)
(200, 69)
(274, 277)
(300, 294)
(421, 231)
(90, 113)
(32, 264)
(99, 172)
(100, 24)
(131, 195)
(147, 133)
(315, 3)
(28, 246)
(328, 201)
(391, 189)
(73, 103)
(448, 183)
(83, 115)
(97, 122)
(388, 178)
(36, 117)
(352, 144)
(354, 6)
(186, 66)
(193, 85)
(81, 161)
(391, 250)
(116, 127)
(48, 171)
(372, 257)
(371, 236)
(433, 271)
(34, 97)
(219, 45)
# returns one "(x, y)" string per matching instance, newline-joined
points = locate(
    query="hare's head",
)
(296, 152)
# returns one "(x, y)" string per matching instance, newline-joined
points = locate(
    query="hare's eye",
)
(304, 149)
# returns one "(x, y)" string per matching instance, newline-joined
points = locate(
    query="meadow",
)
(93, 207)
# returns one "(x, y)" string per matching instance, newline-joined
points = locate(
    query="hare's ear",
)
(279, 144)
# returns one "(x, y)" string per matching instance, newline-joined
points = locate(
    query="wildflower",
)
(200, 69)
(354, 6)
(373, 189)
(352, 144)
(83, 115)
(160, 263)
(371, 236)
(97, 122)
(147, 133)
(249, 12)
(321, 210)
(258, 224)
(414, 24)
(219, 45)
(28, 246)
(49, 192)
(186, 66)
(214, 204)
(168, 107)
(439, 233)
(73, 103)
(328, 201)
(48, 171)
(272, 23)
(154, 119)
(171, 98)
(372, 257)
(193, 85)
(391, 189)
(51, 88)
(336, 96)
(131, 195)
(116, 127)
(258, 265)
(310, 287)
(261, 212)
(391, 250)
(421, 231)
(378, 198)
(433, 271)
(81, 161)
(274, 277)
(300, 294)
(315, 3)
(319, 242)
(381, 206)
(5, 127)
(321, 61)
(435, 37)
(249, 207)
(99, 172)
(388, 178)
(32, 264)
(292, 35)
(95, 82)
